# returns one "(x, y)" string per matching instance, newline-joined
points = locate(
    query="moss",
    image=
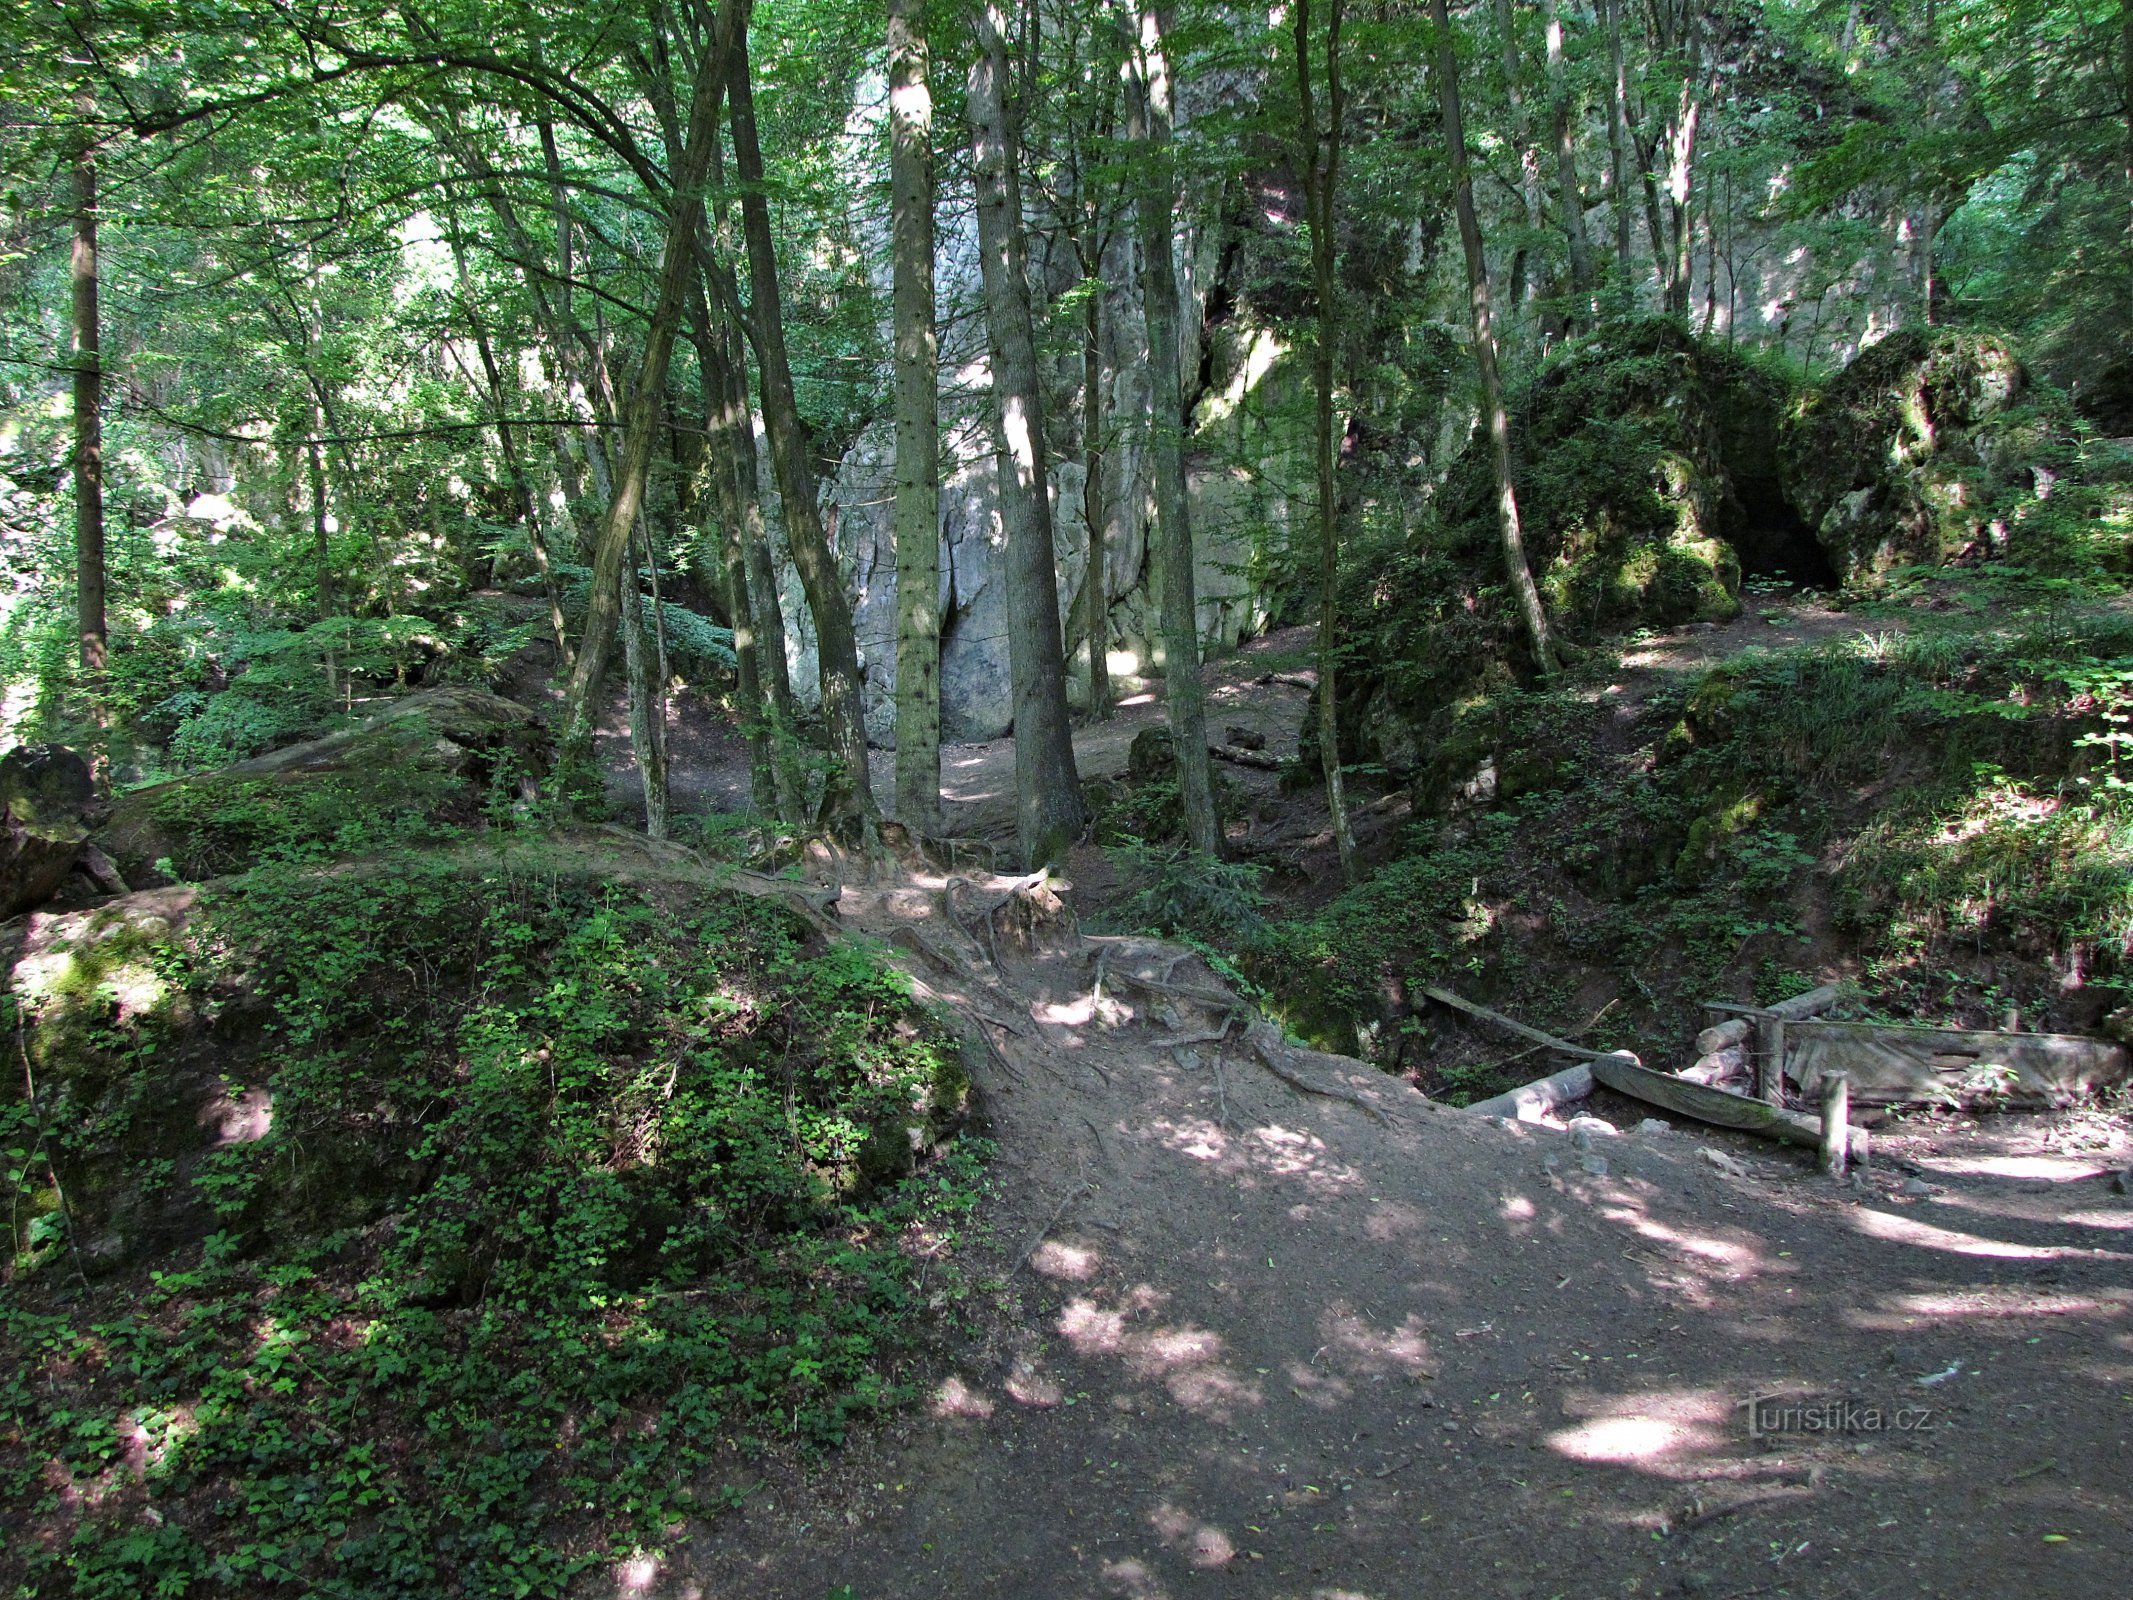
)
(1928, 450)
(1640, 454)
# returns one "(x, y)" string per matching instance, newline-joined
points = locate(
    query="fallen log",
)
(1531, 1102)
(1723, 1035)
(1720, 1067)
(1798, 1009)
(1445, 997)
(1714, 1106)
(1245, 758)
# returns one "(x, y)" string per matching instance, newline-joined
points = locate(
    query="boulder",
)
(1913, 454)
(1152, 756)
(1648, 486)
(35, 858)
(45, 783)
(45, 791)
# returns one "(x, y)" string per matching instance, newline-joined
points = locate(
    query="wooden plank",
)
(1706, 1104)
(1889, 1065)
(1445, 997)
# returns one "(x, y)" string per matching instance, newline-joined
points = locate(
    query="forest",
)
(740, 739)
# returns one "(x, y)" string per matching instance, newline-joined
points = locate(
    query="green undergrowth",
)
(569, 1198)
(1949, 807)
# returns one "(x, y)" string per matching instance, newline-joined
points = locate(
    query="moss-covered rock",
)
(433, 755)
(1918, 452)
(1644, 462)
(1647, 472)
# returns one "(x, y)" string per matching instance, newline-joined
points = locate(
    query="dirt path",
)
(1259, 1341)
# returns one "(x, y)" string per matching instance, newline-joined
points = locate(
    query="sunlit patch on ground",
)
(1651, 1433)
(1928, 1236)
(955, 1398)
(1189, 1362)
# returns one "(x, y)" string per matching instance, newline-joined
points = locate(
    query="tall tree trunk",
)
(1155, 209)
(1321, 166)
(647, 696)
(1048, 804)
(647, 419)
(1526, 282)
(847, 794)
(322, 551)
(1095, 501)
(1680, 168)
(88, 420)
(766, 608)
(726, 435)
(1618, 149)
(918, 446)
(1566, 176)
(1531, 612)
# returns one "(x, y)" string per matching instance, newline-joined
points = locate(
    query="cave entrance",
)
(1775, 543)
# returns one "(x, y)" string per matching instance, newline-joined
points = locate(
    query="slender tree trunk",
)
(1566, 176)
(1680, 184)
(1155, 209)
(766, 608)
(1618, 147)
(726, 435)
(1520, 575)
(2125, 78)
(88, 421)
(647, 403)
(1321, 165)
(1526, 282)
(1048, 804)
(322, 552)
(918, 449)
(847, 794)
(647, 696)
(1095, 502)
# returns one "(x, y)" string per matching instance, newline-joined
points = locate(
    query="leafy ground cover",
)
(570, 1197)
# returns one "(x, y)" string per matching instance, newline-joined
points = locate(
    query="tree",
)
(1570, 198)
(1048, 804)
(646, 420)
(1155, 207)
(87, 326)
(847, 795)
(1321, 162)
(1520, 576)
(918, 453)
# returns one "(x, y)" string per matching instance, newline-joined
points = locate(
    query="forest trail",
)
(1275, 1325)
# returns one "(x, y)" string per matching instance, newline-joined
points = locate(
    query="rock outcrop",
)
(1920, 452)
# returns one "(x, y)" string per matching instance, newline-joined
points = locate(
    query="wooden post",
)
(1770, 1058)
(1836, 1121)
